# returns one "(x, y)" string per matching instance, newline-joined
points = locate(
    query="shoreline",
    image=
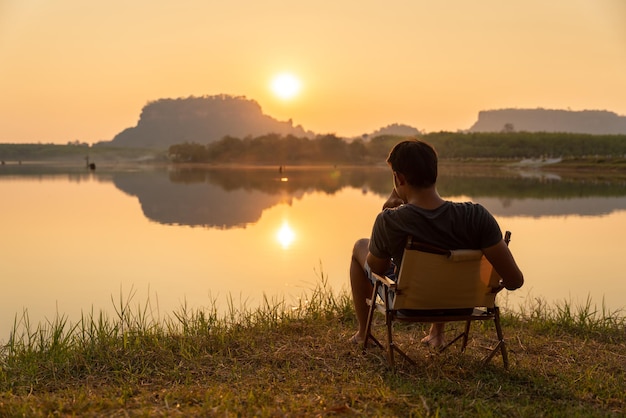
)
(575, 163)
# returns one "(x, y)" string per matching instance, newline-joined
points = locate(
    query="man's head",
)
(416, 161)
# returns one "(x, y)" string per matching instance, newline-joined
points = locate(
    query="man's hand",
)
(393, 201)
(497, 288)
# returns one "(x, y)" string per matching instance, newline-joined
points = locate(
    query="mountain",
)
(398, 129)
(201, 120)
(595, 122)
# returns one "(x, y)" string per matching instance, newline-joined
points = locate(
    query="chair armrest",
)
(384, 280)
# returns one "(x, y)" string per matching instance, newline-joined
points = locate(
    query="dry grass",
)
(282, 362)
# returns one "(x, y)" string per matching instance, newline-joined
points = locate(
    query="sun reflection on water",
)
(285, 235)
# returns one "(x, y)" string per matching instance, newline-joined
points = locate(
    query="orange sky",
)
(82, 70)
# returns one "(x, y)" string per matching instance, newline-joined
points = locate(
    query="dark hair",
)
(416, 160)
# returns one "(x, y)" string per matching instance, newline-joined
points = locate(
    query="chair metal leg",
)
(370, 318)
(501, 346)
(445, 347)
(465, 336)
(501, 342)
(404, 355)
(390, 346)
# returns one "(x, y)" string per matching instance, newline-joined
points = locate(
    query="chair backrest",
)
(458, 279)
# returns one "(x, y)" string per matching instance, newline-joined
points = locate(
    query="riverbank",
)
(567, 167)
(273, 361)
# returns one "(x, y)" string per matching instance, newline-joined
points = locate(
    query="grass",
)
(278, 360)
(587, 166)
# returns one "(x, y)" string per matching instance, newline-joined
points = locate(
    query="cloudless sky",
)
(83, 70)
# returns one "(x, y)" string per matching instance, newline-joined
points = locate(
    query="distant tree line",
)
(330, 149)
(14, 152)
(526, 145)
(72, 152)
(278, 149)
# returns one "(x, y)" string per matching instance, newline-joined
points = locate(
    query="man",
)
(415, 208)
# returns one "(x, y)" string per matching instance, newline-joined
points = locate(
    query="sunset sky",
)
(83, 70)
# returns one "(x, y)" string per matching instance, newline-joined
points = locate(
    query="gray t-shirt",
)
(451, 226)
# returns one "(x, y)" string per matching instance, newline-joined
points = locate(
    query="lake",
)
(76, 242)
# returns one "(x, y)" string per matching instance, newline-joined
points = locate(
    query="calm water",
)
(76, 242)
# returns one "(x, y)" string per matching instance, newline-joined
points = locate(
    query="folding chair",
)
(436, 285)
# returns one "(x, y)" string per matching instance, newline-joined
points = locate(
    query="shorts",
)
(391, 273)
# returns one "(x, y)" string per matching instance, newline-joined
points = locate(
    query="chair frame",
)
(479, 307)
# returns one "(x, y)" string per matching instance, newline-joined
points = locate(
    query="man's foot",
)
(434, 341)
(356, 339)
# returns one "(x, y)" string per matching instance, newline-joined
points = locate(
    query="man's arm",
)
(503, 262)
(378, 265)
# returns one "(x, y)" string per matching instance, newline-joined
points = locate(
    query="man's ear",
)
(400, 178)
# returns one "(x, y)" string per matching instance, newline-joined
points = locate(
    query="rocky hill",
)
(201, 120)
(206, 119)
(393, 129)
(595, 122)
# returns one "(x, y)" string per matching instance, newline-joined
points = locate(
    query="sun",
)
(286, 86)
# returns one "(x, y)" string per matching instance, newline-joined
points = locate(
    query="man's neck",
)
(424, 198)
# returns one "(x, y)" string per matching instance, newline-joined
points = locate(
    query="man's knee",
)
(361, 247)
(360, 250)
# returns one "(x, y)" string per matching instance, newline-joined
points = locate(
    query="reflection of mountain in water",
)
(521, 194)
(226, 198)
(195, 203)
(584, 206)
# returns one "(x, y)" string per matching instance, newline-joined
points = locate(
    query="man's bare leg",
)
(361, 286)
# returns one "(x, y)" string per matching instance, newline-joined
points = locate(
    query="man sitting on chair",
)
(415, 208)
